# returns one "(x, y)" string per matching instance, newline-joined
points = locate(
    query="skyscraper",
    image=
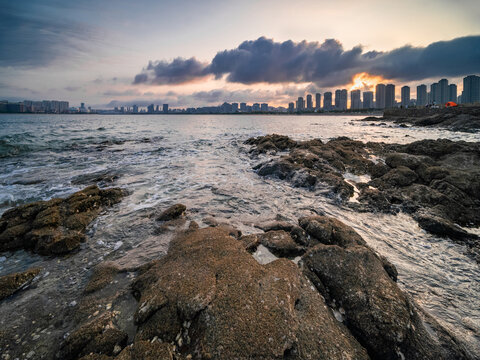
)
(355, 102)
(368, 99)
(234, 107)
(341, 97)
(309, 102)
(243, 107)
(452, 92)
(471, 89)
(256, 107)
(443, 88)
(389, 96)
(380, 96)
(291, 107)
(318, 98)
(151, 108)
(421, 95)
(435, 94)
(327, 101)
(165, 108)
(264, 107)
(300, 104)
(405, 96)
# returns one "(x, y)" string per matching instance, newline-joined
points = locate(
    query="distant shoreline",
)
(371, 113)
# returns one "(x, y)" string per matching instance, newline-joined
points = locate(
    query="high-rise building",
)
(256, 107)
(355, 102)
(135, 109)
(318, 98)
(327, 101)
(165, 108)
(368, 99)
(443, 86)
(264, 107)
(243, 107)
(471, 89)
(452, 92)
(380, 96)
(405, 96)
(291, 107)
(150, 108)
(234, 107)
(435, 97)
(389, 96)
(309, 102)
(421, 95)
(341, 97)
(300, 104)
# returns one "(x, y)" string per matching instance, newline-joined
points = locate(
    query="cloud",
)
(179, 71)
(127, 92)
(325, 64)
(72, 88)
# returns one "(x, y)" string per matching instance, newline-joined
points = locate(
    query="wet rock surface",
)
(57, 226)
(208, 298)
(437, 181)
(359, 284)
(10, 284)
(462, 118)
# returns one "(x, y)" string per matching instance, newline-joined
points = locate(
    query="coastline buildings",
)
(368, 100)
(318, 99)
(309, 102)
(389, 96)
(452, 92)
(355, 102)
(421, 95)
(341, 97)
(380, 96)
(405, 96)
(327, 101)
(300, 104)
(471, 89)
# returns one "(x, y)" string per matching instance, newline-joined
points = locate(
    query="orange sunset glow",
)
(365, 81)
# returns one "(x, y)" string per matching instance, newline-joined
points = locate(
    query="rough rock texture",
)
(357, 282)
(10, 284)
(280, 243)
(102, 275)
(437, 181)
(211, 297)
(56, 226)
(98, 336)
(173, 212)
(462, 118)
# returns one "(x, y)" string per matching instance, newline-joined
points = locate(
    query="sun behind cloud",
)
(364, 81)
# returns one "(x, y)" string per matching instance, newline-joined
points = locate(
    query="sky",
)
(200, 53)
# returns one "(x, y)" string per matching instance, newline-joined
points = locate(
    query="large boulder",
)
(360, 285)
(213, 299)
(56, 226)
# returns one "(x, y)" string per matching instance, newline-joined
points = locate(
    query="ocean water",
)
(202, 162)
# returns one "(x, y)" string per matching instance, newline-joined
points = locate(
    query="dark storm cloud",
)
(32, 35)
(456, 57)
(178, 71)
(325, 64)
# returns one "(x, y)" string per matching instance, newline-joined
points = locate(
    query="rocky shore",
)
(436, 181)
(325, 294)
(461, 118)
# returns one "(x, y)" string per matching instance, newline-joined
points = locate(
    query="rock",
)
(397, 177)
(280, 243)
(102, 275)
(272, 142)
(225, 305)
(146, 350)
(98, 336)
(10, 284)
(250, 242)
(173, 212)
(56, 226)
(275, 225)
(354, 279)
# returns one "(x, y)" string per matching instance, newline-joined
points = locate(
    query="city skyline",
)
(109, 54)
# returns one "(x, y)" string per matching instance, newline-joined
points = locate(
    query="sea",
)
(202, 162)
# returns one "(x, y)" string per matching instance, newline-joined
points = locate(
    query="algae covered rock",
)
(10, 284)
(56, 226)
